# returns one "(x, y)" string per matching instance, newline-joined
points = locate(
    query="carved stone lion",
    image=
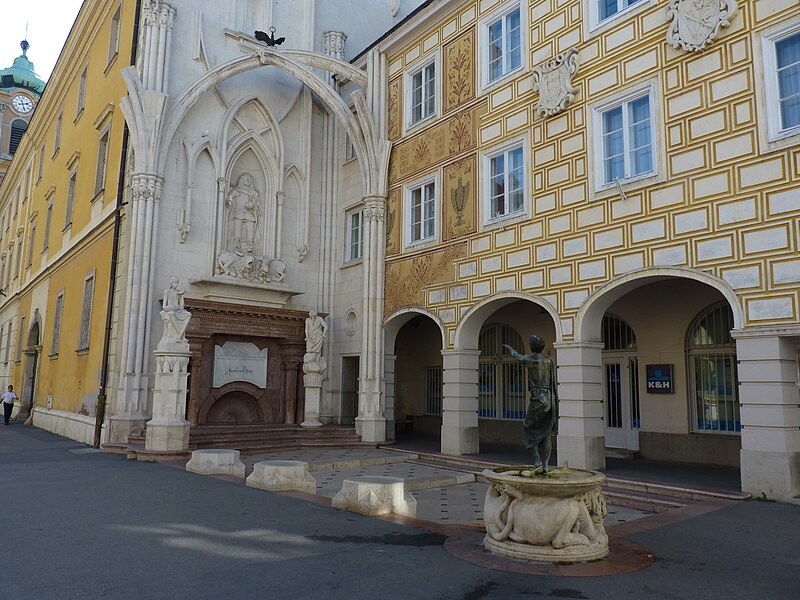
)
(233, 264)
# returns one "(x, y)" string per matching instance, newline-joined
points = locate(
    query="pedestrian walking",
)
(8, 403)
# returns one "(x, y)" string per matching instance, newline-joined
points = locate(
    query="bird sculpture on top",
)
(269, 40)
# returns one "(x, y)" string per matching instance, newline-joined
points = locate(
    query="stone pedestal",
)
(460, 402)
(375, 495)
(554, 517)
(216, 462)
(282, 476)
(581, 429)
(168, 431)
(313, 387)
(769, 398)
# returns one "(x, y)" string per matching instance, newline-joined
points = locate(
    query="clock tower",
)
(20, 90)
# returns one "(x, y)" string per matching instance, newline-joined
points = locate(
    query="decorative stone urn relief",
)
(697, 23)
(555, 516)
(553, 81)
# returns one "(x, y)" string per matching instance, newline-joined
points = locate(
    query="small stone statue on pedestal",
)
(314, 366)
(175, 316)
(167, 433)
(541, 421)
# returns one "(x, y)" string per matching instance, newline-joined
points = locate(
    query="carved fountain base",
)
(553, 517)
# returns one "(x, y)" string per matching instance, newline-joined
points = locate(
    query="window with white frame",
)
(355, 235)
(113, 41)
(57, 141)
(421, 101)
(502, 44)
(625, 132)
(86, 312)
(47, 222)
(506, 178)
(31, 244)
(781, 52)
(8, 341)
(19, 339)
(82, 92)
(102, 161)
(57, 324)
(602, 10)
(73, 180)
(421, 212)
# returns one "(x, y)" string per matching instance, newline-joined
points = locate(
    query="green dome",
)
(21, 73)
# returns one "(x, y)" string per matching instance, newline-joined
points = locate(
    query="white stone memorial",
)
(215, 461)
(314, 366)
(240, 361)
(282, 476)
(375, 495)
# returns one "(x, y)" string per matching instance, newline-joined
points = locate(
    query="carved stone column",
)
(130, 404)
(333, 43)
(158, 19)
(371, 421)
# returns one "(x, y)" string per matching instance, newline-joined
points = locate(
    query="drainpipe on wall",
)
(100, 408)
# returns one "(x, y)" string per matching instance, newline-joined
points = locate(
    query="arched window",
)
(619, 349)
(617, 334)
(18, 127)
(502, 383)
(712, 371)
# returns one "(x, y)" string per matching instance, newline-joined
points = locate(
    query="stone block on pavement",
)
(216, 462)
(282, 476)
(375, 495)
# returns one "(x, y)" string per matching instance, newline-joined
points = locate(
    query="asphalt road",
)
(77, 524)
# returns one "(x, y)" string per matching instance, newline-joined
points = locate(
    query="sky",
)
(49, 22)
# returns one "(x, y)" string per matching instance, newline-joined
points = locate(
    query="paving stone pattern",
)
(443, 495)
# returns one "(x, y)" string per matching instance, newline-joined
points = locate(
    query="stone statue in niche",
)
(553, 81)
(697, 23)
(175, 316)
(239, 258)
(245, 213)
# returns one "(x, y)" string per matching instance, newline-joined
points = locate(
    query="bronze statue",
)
(541, 421)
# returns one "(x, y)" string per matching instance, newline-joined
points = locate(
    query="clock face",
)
(22, 104)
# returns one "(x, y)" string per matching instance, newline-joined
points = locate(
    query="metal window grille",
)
(712, 371)
(617, 334)
(502, 385)
(636, 417)
(433, 391)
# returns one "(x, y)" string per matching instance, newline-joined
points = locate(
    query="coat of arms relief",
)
(697, 23)
(553, 81)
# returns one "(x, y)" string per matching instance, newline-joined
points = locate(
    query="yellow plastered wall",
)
(82, 244)
(724, 201)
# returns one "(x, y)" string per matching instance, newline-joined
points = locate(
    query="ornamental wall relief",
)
(407, 279)
(460, 187)
(459, 83)
(553, 81)
(697, 23)
(394, 221)
(445, 140)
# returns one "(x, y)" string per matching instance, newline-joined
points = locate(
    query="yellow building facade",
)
(622, 179)
(58, 205)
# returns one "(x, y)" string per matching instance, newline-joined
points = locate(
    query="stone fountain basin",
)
(558, 482)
